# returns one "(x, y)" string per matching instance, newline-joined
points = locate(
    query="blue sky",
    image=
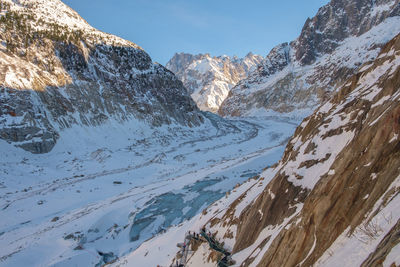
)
(218, 27)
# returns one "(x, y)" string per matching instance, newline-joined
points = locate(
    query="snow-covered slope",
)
(302, 74)
(333, 198)
(128, 152)
(109, 188)
(57, 71)
(209, 79)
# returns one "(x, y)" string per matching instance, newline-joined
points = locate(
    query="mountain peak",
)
(209, 79)
(44, 14)
(296, 77)
(59, 72)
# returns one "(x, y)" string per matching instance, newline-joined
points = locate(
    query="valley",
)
(102, 195)
(109, 158)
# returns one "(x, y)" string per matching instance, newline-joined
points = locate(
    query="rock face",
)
(331, 47)
(209, 79)
(333, 198)
(57, 71)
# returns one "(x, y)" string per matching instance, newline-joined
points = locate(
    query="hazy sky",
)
(218, 27)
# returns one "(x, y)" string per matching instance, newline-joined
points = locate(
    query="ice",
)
(109, 188)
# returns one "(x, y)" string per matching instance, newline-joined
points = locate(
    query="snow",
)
(261, 214)
(347, 250)
(200, 257)
(271, 232)
(251, 188)
(203, 66)
(327, 148)
(192, 167)
(364, 68)
(378, 9)
(352, 250)
(351, 53)
(393, 257)
(209, 98)
(295, 115)
(368, 81)
(147, 256)
(271, 194)
(354, 49)
(55, 11)
(330, 145)
(394, 138)
(135, 190)
(378, 118)
(381, 101)
(311, 250)
(23, 75)
(254, 192)
(209, 79)
(325, 108)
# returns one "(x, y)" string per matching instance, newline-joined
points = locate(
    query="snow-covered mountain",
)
(58, 71)
(299, 75)
(133, 165)
(129, 154)
(332, 200)
(209, 79)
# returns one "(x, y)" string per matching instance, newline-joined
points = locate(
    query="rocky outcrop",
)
(331, 47)
(337, 21)
(333, 198)
(209, 79)
(57, 72)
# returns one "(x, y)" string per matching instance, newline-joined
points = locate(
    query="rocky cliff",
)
(58, 71)
(209, 79)
(333, 198)
(331, 47)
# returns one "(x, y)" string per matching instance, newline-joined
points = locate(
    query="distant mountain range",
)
(294, 77)
(209, 79)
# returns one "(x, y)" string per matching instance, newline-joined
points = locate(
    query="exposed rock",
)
(209, 79)
(384, 247)
(278, 208)
(346, 200)
(331, 47)
(57, 73)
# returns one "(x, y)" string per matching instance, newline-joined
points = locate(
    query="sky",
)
(219, 27)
